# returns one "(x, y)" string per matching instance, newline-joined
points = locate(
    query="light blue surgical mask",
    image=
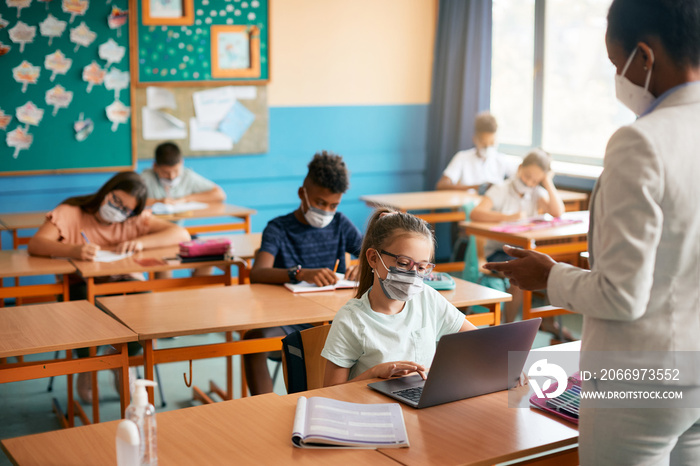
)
(112, 214)
(399, 284)
(317, 218)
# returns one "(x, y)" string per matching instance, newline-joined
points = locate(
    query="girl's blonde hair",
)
(383, 225)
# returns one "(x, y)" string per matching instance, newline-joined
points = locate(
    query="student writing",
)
(391, 327)
(304, 245)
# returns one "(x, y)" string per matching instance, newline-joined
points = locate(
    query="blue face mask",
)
(112, 214)
(400, 285)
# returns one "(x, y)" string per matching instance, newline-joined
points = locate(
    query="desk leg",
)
(497, 313)
(247, 223)
(66, 289)
(148, 363)
(71, 399)
(95, 391)
(91, 290)
(527, 304)
(124, 395)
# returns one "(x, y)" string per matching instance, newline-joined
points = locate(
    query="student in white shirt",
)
(480, 166)
(391, 327)
(530, 192)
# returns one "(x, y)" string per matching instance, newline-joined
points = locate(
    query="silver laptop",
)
(467, 364)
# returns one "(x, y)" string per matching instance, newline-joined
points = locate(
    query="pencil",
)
(335, 269)
(82, 233)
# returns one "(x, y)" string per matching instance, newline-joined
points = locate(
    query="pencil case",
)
(440, 281)
(205, 247)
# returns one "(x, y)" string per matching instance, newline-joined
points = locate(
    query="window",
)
(552, 83)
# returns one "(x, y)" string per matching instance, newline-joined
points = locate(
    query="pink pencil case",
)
(204, 247)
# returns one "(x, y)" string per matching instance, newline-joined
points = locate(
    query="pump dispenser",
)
(143, 414)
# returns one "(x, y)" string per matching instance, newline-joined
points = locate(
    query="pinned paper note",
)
(202, 138)
(19, 139)
(59, 98)
(93, 74)
(29, 114)
(4, 119)
(26, 73)
(111, 52)
(22, 34)
(117, 113)
(4, 49)
(212, 105)
(159, 97)
(83, 128)
(116, 19)
(57, 63)
(75, 7)
(82, 35)
(158, 125)
(19, 4)
(52, 27)
(237, 122)
(116, 81)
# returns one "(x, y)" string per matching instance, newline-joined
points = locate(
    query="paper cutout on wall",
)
(52, 27)
(26, 73)
(4, 49)
(75, 7)
(19, 4)
(111, 52)
(58, 97)
(82, 35)
(29, 114)
(57, 63)
(116, 19)
(236, 122)
(19, 139)
(4, 119)
(3, 22)
(93, 74)
(83, 128)
(117, 113)
(22, 34)
(116, 80)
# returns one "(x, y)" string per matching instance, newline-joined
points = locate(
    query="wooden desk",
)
(63, 326)
(565, 242)
(464, 295)
(21, 221)
(257, 430)
(90, 271)
(215, 210)
(18, 263)
(197, 311)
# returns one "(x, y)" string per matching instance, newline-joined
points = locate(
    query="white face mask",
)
(487, 152)
(166, 183)
(400, 285)
(521, 188)
(317, 218)
(636, 98)
(111, 214)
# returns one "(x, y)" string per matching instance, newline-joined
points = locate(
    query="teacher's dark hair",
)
(676, 23)
(129, 182)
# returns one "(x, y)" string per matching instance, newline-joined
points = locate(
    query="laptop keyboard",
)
(412, 394)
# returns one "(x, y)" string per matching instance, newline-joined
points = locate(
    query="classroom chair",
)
(304, 367)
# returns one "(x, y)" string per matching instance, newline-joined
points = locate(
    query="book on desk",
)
(306, 287)
(327, 423)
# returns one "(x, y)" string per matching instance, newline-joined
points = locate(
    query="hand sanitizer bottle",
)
(143, 414)
(128, 443)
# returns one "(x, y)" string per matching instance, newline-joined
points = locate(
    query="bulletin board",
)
(253, 141)
(180, 53)
(54, 147)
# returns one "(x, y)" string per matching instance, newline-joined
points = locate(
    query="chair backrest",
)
(304, 367)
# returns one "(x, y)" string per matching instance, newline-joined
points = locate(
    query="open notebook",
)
(305, 287)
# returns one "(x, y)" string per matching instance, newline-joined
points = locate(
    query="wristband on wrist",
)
(293, 272)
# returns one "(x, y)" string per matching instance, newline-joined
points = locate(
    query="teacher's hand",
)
(529, 270)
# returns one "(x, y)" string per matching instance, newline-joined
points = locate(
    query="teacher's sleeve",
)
(627, 224)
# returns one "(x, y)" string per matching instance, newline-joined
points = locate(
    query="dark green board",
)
(54, 147)
(183, 53)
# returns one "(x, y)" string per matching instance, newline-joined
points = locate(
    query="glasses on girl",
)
(117, 203)
(406, 264)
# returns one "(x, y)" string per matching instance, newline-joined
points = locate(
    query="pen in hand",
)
(335, 268)
(82, 233)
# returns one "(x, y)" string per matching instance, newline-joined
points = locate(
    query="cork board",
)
(254, 140)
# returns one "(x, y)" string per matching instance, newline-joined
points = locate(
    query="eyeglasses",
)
(406, 264)
(119, 205)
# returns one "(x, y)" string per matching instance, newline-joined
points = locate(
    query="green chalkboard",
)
(181, 54)
(54, 146)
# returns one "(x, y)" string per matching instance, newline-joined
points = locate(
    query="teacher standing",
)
(643, 290)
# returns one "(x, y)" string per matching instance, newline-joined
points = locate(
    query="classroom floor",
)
(26, 406)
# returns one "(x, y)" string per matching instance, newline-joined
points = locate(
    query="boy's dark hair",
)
(328, 170)
(676, 23)
(168, 154)
(129, 182)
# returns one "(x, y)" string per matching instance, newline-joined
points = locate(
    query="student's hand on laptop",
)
(388, 370)
(319, 277)
(352, 273)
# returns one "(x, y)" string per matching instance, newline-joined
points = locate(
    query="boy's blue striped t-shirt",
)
(292, 242)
